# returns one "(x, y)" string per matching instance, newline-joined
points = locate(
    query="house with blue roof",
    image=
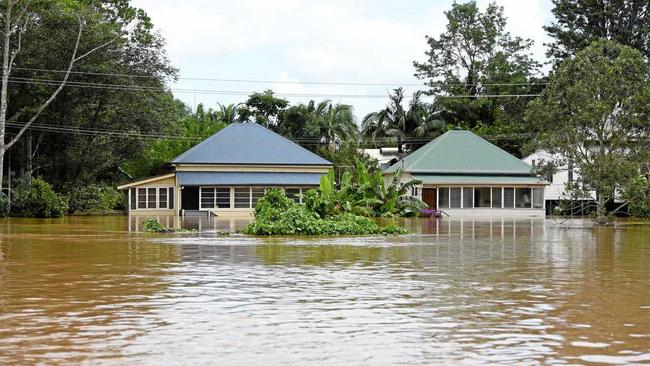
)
(462, 173)
(228, 173)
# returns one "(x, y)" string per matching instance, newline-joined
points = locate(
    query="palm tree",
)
(228, 113)
(335, 121)
(394, 121)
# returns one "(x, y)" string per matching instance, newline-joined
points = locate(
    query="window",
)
(134, 198)
(482, 197)
(538, 197)
(292, 193)
(207, 197)
(223, 197)
(508, 198)
(468, 197)
(454, 197)
(443, 197)
(242, 197)
(142, 198)
(257, 193)
(523, 198)
(171, 197)
(496, 197)
(162, 198)
(151, 197)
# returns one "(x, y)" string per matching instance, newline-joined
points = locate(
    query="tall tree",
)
(418, 120)
(60, 83)
(335, 122)
(579, 22)
(473, 62)
(594, 113)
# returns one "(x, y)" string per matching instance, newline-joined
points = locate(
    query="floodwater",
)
(87, 291)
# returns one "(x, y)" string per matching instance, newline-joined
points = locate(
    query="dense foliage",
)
(418, 121)
(36, 198)
(191, 128)
(276, 214)
(366, 193)
(637, 194)
(594, 112)
(95, 199)
(580, 22)
(473, 60)
(141, 106)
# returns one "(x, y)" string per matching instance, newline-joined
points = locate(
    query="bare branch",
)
(21, 30)
(73, 59)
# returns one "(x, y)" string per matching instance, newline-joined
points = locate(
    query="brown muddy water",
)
(87, 291)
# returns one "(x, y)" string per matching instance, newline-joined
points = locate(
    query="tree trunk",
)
(29, 157)
(3, 87)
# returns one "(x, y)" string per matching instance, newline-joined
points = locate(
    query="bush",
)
(38, 199)
(95, 199)
(276, 214)
(637, 194)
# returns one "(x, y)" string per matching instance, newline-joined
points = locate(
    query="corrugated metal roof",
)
(248, 143)
(477, 179)
(461, 152)
(247, 178)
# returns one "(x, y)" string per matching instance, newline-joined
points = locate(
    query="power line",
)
(126, 87)
(263, 81)
(156, 136)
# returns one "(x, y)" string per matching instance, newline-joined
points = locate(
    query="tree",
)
(474, 60)
(191, 128)
(335, 122)
(263, 108)
(594, 113)
(396, 121)
(579, 22)
(59, 83)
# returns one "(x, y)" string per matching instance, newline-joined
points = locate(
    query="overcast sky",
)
(363, 41)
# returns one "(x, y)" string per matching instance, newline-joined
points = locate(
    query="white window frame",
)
(157, 188)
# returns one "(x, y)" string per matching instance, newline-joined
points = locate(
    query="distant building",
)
(227, 173)
(556, 190)
(385, 156)
(462, 173)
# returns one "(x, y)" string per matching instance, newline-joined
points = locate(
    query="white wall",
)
(555, 190)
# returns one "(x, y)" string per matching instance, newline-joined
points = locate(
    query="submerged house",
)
(462, 173)
(227, 173)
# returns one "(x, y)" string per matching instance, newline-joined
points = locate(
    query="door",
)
(429, 196)
(190, 198)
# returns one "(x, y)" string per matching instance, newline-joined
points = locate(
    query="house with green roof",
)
(227, 173)
(462, 173)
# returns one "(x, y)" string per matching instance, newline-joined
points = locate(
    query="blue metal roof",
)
(247, 178)
(248, 143)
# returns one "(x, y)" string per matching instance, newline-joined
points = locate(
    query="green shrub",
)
(152, 225)
(38, 199)
(95, 199)
(276, 214)
(637, 194)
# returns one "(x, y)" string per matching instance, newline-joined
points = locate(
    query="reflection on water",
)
(88, 290)
(201, 224)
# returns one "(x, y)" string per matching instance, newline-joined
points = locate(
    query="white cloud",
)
(338, 40)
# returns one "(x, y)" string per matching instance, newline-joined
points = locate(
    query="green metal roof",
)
(461, 152)
(477, 179)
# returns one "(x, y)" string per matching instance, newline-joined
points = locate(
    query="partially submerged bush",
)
(153, 226)
(38, 199)
(637, 194)
(276, 214)
(95, 199)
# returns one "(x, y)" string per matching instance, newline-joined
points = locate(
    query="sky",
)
(290, 44)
